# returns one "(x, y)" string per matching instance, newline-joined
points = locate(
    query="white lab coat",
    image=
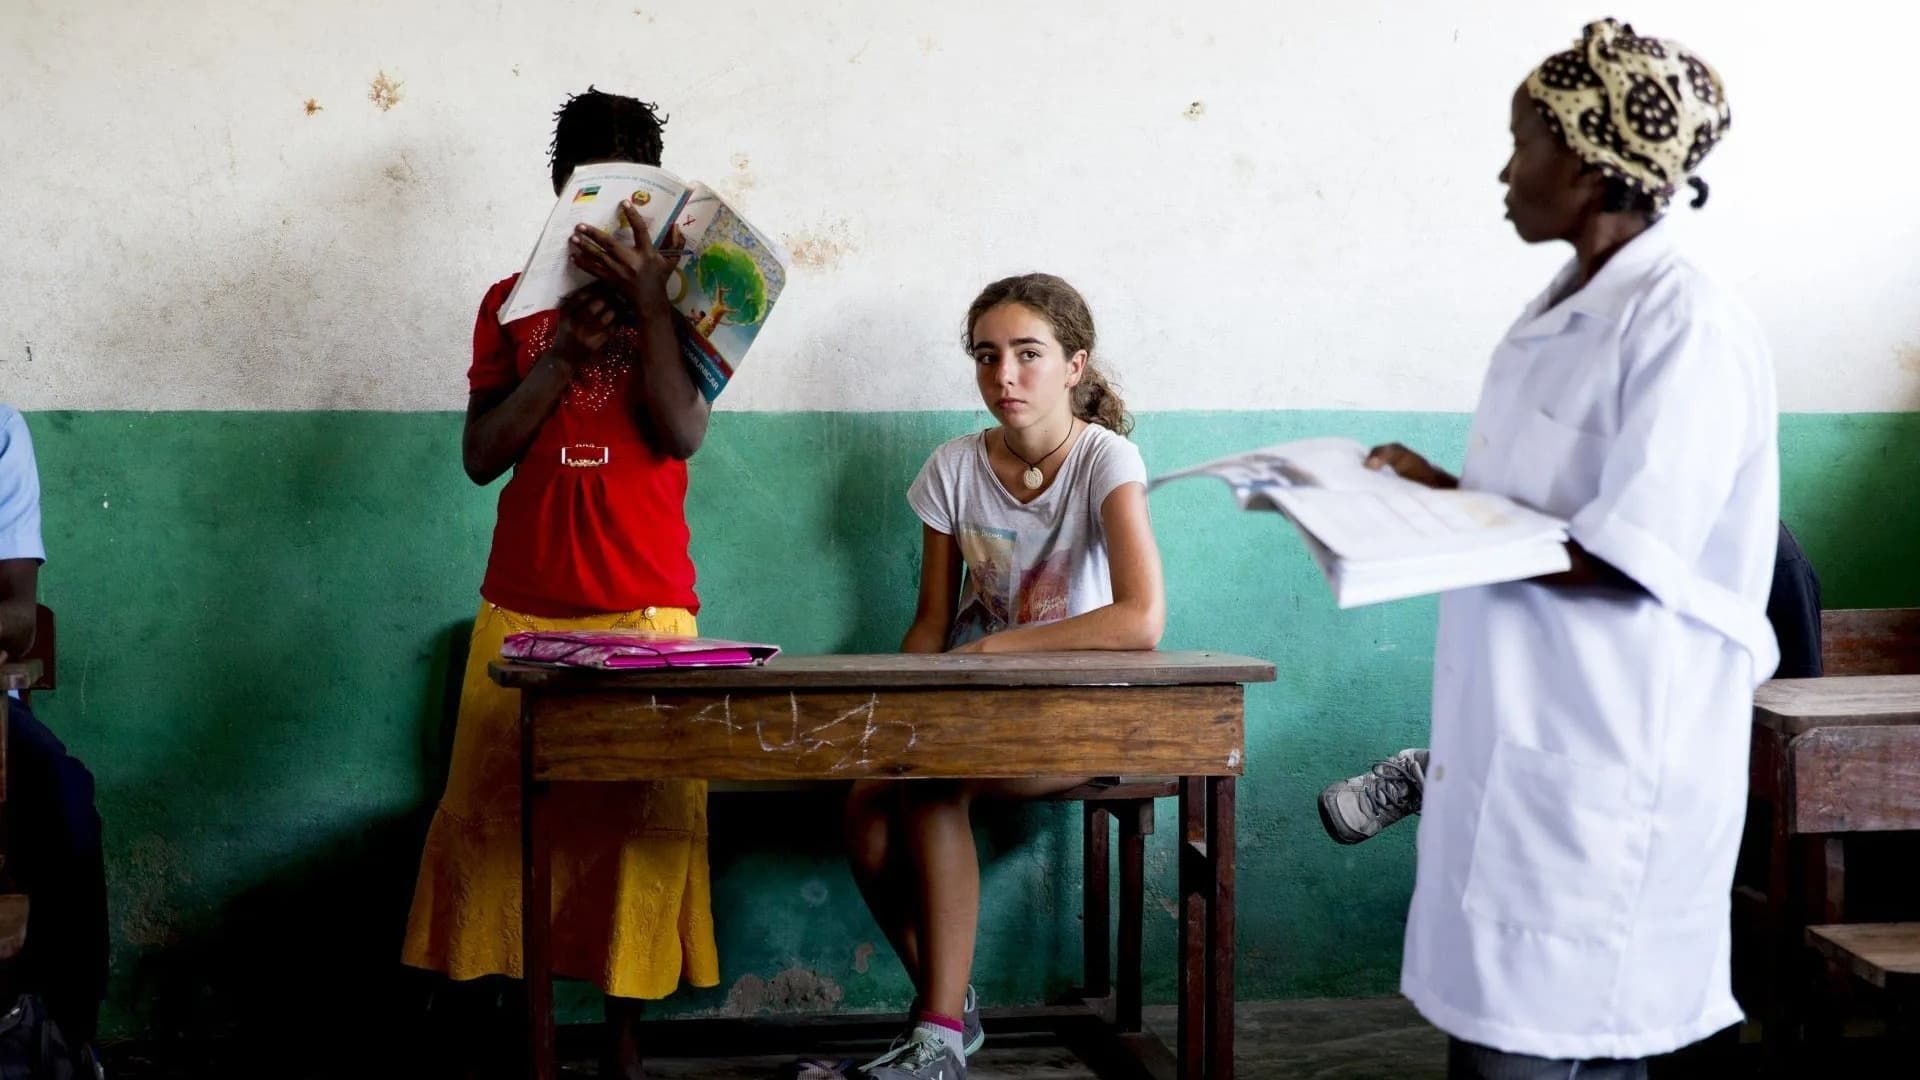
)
(1587, 784)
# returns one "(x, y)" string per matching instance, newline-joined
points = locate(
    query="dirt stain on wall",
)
(384, 91)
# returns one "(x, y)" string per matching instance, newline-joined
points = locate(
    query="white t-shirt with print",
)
(1029, 563)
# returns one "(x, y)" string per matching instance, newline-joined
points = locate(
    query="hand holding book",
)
(720, 276)
(586, 320)
(1411, 466)
(1384, 533)
(638, 271)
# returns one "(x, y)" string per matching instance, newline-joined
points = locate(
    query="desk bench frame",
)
(940, 717)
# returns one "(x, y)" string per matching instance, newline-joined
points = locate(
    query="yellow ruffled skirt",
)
(632, 901)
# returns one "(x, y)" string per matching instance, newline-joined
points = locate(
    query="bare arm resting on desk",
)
(1138, 615)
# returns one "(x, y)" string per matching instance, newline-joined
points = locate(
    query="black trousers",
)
(1471, 1061)
(54, 854)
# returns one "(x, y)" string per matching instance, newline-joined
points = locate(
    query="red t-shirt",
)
(593, 519)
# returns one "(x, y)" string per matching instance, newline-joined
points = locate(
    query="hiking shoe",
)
(925, 1056)
(1358, 807)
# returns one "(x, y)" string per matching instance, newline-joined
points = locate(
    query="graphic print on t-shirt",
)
(986, 604)
(1044, 590)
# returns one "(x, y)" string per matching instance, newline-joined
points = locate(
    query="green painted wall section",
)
(256, 611)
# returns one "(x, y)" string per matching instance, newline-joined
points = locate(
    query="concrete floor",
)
(1312, 1040)
(1367, 1039)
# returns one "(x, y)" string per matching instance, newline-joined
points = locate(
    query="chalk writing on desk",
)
(801, 736)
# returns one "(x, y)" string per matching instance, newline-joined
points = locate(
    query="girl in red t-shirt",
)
(595, 413)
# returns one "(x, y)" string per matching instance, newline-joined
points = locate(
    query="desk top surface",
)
(1796, 706)
(884, 671)
(19, 675)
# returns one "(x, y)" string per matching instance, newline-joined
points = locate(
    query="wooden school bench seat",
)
(1885, 955)
(1832, 757)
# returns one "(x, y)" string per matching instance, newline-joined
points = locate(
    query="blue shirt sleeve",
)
(19, 491)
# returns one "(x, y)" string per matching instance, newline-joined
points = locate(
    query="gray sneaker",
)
(971, 1033)
(970, 1029)
(925, 1056)
(1358, 807)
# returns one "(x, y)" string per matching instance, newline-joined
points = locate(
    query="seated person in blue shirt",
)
(53, 831)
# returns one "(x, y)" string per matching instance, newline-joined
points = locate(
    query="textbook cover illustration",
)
(729, 277)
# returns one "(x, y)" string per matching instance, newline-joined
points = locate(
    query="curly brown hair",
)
(1095, 398)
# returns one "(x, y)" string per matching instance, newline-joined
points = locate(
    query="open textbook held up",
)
(727, 282)
(1377, 536)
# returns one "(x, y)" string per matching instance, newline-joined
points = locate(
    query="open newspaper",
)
(725, 287)
(1377, 536)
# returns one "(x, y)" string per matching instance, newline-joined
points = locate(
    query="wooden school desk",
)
(1831, 756)
(935, 716)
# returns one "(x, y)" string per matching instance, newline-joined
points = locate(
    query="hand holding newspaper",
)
(1377, 536)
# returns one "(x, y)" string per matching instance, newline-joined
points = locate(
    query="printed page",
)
(1332, 462)
(1378, 536)
(1335, 464)
(591, 196)
(1357, 583)
(1405, 520)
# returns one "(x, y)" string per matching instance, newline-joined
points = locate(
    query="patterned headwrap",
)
(1639, 109)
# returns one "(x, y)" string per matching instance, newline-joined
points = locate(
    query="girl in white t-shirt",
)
(1047, 514)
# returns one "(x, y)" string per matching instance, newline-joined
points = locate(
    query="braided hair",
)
(601, 125)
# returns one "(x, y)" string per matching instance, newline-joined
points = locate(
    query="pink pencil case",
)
(626, 650)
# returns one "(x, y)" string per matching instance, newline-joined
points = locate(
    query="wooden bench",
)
(1870, 641)
(1886, 955)
(1821, 770)
(1130, 803)
(1882, 959)
(1110, 954)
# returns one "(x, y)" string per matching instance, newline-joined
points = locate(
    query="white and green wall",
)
(239, 323)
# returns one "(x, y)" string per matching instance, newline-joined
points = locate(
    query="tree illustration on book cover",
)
(736, 281)
(732, 280)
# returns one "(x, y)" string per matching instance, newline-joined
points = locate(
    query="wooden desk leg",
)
(1220, 880)
(1095, 933)
(1136, 824)
(1824, 988)
(1191, 1045)
(1781, 921)
(536, 904)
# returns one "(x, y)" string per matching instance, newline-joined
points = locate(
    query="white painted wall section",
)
(1271, 203)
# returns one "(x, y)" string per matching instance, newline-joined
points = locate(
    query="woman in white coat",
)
(1586, 788)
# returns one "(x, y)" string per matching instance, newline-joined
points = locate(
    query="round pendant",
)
(1032, 478)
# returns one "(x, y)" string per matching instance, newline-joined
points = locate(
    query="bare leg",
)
(939, 830)
(882, 870)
